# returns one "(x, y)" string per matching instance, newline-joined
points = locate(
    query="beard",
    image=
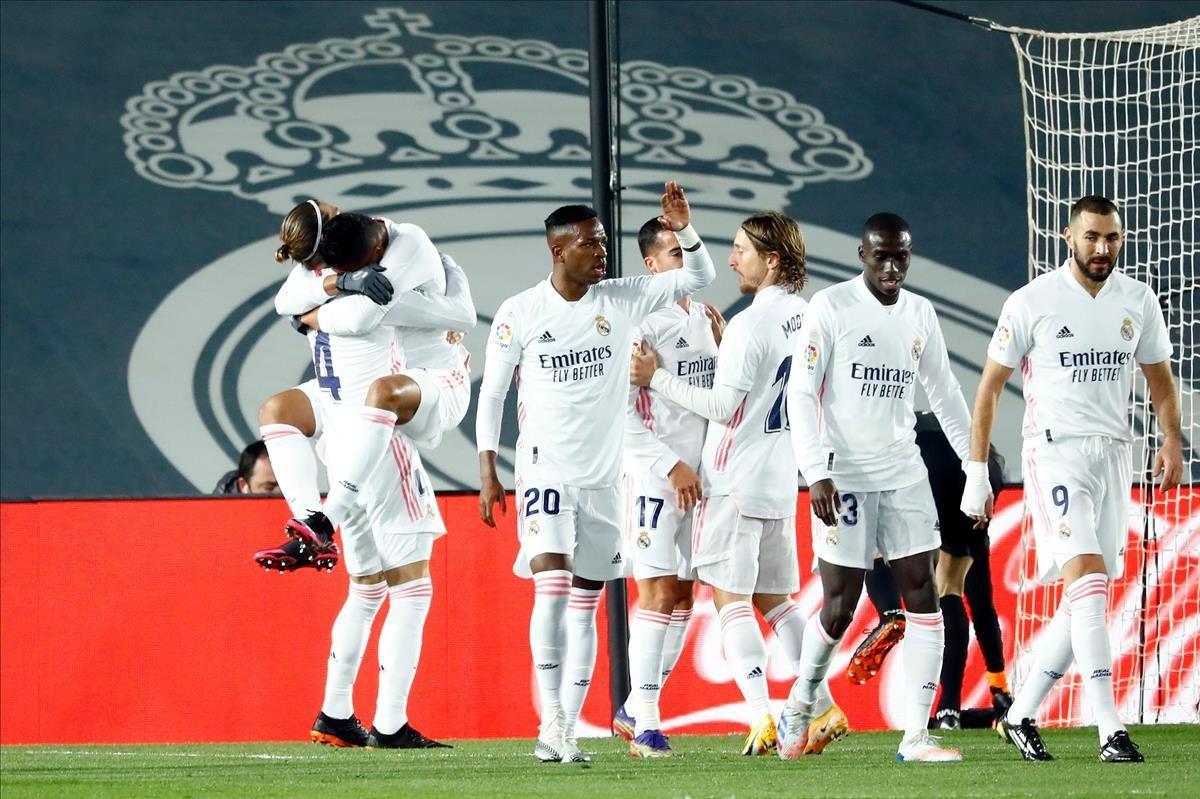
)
(1097, 272)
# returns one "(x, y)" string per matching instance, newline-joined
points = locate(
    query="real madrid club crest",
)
(916, 349)
(1127, 329)
(602, 326)
(532, 527)
(643, 540)
(1064, 530)
(831, 536)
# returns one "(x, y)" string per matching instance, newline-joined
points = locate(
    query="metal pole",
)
(604, 183)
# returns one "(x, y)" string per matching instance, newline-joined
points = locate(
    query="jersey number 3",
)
(777, 417)
(323, 366)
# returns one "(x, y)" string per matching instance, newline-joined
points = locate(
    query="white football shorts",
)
(896, 523)
(582, 523)
(1077, 495)
(445, 395)
(658, 535)
(743, 554)
(311, 390)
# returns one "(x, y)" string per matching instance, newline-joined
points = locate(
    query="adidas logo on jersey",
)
(1065, 333)
(545, 338)
(866, 342)
(681, 343)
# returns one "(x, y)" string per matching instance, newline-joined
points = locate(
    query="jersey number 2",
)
(323, 366)
(777, 417)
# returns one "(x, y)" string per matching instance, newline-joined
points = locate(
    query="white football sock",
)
(400, 650)
(922, 649)
(673, 643)
(746, 654)
(364, 440)
(351, 630)
(646, 634)
(548, 637)
(816, 654)
(787, 622)
(580, 661)
(295, 467)
(1052, 658)
(1093, 651)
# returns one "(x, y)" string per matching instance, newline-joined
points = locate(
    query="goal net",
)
(1117, 114)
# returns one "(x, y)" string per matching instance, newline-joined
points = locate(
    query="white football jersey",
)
(749, 457)
(412, 263)
(857, 363)
(572, 362)
(686, 349)
(1076, 352)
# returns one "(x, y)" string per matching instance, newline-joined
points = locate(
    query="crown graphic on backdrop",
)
(404, 116)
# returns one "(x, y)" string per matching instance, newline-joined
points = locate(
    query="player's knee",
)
(291, 407)
(274, 410)
(836, 616)
(399, 394)
(657, 596)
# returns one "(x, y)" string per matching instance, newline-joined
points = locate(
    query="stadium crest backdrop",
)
(149, 151)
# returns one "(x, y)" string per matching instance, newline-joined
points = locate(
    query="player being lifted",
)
(864, 346)
(570, 335)
(744, 534)
(1076, 333)
(662, 453)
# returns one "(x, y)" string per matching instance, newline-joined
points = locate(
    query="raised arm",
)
(1165, 398)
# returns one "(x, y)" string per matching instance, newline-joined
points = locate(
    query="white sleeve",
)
(301, 292)
(351, 315)
(504, 339)
(717, 403)
(642, 443)
(943, 390)
(454, 310)
(810, 361)
(411, 259)
(493, 388)
(1155, 344)
(1014, 333)
(645, 294)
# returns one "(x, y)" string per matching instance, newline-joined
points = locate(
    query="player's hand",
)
(490, 493)
(826, 503)
(370, 282)
(299, 326)
(308, 319)
(677, 214)
(686, 482)
(717, 321)
(1169, 463)
(454, 336)
(977, 500)
(643, 365)
(982, 522)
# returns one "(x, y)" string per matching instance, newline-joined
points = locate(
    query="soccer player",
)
(963, 572)
(570, 335)
(864, 346)
(389, 529)
(1076, 333)
(662, 453)
(428, 396)
(744, 534)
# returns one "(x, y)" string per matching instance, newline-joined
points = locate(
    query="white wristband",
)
(688, 237)
(977, 489)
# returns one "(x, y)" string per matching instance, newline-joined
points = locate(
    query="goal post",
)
(1118, 114)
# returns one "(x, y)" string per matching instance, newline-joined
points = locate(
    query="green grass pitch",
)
(708, 766)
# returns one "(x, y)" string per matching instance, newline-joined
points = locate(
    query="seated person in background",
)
(253, 474)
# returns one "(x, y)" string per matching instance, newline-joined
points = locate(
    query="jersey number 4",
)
(323, 366)
(777, 417)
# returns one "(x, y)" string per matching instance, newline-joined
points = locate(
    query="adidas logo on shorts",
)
(1065, 333)
(866, 342)
(616, 559)
(545, 338)
(755, 672)
(681, 343)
